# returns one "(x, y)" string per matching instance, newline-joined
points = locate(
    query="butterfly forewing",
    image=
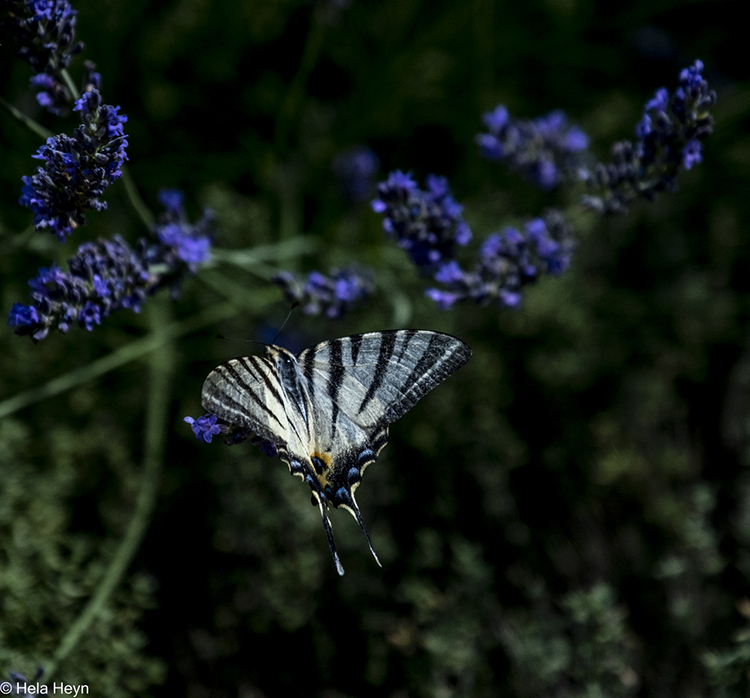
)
(380, 376)
(328, 408)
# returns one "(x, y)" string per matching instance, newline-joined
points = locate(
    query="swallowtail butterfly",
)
(328, 408)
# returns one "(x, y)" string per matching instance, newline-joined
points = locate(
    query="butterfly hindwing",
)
(247, 392)
(328, 408)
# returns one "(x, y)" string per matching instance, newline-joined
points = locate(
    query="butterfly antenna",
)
(351, 505)
(329, 535)
(239, 339)
(289, 314)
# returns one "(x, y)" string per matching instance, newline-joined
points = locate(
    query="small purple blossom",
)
(45, 31)
(209, 425)
(668, 140)
(23, 316)
(355, 169)
(108, 275)
(188, 243)
(204, 428)
(76, 171)
(545, 150)
(428, 224)
(691, 154)
(508, 261)
(332, 295)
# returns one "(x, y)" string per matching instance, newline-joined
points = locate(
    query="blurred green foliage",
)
(567, 516)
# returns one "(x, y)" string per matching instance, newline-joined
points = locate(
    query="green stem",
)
(26, 121)
(69, 84)
(139, 206)
(157, 414)
(120, 357)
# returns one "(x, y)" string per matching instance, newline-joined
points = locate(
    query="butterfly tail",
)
(353, 509)
(329, 535)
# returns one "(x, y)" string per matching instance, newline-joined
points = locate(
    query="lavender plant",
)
(108, 275)
(669, 140)
(428, 223)
(46, 33)
(508, 261)
(548, 152)
(332, 295)
(76, 171)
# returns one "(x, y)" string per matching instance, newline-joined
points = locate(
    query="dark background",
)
(569, 515)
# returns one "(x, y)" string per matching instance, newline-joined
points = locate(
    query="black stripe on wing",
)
(442, 356)
(335, 378)
(217, 398)
(387, 347)
(262, 372)
(355, 344)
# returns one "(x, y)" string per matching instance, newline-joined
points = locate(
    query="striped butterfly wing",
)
(328, 409)
(247, 392)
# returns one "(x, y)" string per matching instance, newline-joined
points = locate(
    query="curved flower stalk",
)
(108, 275)
(331, 295)
(46, 32)
(426, 223)
(508, 261)
(545, 151)
(76, 171)
(668, 140)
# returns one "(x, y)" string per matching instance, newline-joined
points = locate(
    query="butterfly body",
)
(328, 408)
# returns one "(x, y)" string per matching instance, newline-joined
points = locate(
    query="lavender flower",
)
(204, 428)
(77, 170)
(668, 140)
(209, 425)
(333, 295)
(545, 150)
(184, 246)
(108, 275)
(508, 261)
(355, 169)
(427, 224)
(46, 31)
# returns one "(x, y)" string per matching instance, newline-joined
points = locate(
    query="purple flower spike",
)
(508, 261)
(427, 224)
(182, 242)
(45, 30)
(108, 275)
(76, 171)
(668, 140)
(545, 150)
(332, 295)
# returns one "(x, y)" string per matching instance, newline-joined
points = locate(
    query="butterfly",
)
(328, 408)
